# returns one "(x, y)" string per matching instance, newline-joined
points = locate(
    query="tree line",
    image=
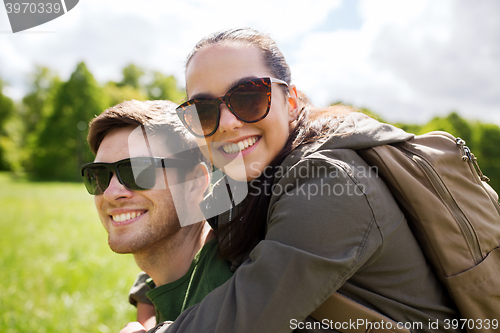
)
(44, 134)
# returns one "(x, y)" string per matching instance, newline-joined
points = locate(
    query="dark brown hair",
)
(158, 117)
(249, 226)
(273, 58)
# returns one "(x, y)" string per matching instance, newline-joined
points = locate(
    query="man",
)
(148, 179)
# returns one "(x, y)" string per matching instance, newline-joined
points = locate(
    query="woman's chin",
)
(237, 175)
(232, 165)
(247, 176)
(240, 173)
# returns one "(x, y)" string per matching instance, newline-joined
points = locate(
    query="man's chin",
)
(120, 250)
(121, 247)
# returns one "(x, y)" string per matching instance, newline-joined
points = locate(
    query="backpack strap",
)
(341, 309)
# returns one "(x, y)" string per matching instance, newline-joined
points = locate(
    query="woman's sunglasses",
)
(136, 174)
(248, 101)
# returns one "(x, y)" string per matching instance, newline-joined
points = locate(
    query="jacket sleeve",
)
(321, 230)
(139, 289)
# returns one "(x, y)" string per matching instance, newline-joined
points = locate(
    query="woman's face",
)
(211, 73)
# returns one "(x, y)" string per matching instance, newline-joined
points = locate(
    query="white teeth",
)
(233, 148)
(125, 216)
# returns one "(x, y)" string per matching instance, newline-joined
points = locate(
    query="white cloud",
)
(338, 65)
(448, 55)
(409, 60)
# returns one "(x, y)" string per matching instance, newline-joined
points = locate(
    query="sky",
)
(406, 60)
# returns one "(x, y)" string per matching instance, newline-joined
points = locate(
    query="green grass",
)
(57, 273)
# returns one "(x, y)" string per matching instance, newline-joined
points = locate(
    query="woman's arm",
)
(314, 243)
(146, 315)
(146, 319)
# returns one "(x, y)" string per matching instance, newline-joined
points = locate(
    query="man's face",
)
(135, 220)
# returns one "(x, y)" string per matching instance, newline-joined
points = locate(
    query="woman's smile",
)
(240, 146)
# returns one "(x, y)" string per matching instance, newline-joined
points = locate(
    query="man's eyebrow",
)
(232, 85)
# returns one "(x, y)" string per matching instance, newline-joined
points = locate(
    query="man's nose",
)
(116, 190)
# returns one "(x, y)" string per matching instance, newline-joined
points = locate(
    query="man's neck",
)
(169, 260)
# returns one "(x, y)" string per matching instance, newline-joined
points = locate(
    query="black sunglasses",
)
(248, 101)
(137, 173)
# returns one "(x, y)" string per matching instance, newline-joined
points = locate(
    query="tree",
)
(452, 124)
(487, 151)
(132, 75)
(141, 84)
(38, 102)
(116, 94)
(6, 111)
(36, 108)
(6, 106)
(61, 146)
(164, 87)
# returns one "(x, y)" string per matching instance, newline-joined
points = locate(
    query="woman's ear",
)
(293, 103)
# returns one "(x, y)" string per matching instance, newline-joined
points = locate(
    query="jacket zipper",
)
(474, 167)
(446, 196)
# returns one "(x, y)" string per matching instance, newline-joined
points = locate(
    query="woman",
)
(317, 219)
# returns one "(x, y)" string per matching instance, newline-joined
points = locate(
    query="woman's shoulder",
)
(355, 131)
(320, 175)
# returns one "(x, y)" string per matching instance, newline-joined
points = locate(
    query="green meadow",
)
(57, 273)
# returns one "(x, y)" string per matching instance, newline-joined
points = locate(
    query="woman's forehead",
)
(215, 69)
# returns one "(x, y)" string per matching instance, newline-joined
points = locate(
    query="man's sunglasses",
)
(248, 101)
(137, 174)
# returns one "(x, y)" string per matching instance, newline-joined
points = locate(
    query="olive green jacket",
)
(332, 225)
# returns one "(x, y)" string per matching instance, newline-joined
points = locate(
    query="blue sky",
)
(406, 60)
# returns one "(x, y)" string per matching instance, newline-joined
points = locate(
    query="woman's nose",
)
(228, 121)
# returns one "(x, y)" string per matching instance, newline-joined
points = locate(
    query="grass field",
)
(57, 273)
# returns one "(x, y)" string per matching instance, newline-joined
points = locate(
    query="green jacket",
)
(332, 225)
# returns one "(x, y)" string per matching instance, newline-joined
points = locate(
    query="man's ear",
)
(293, 103)
(199, 181)
(191, 191)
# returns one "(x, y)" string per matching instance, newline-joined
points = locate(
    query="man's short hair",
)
(158, 118)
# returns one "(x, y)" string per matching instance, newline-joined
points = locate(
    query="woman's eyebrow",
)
(232, 85)
(241, 80)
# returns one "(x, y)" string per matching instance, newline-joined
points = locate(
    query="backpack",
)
(455, 217)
